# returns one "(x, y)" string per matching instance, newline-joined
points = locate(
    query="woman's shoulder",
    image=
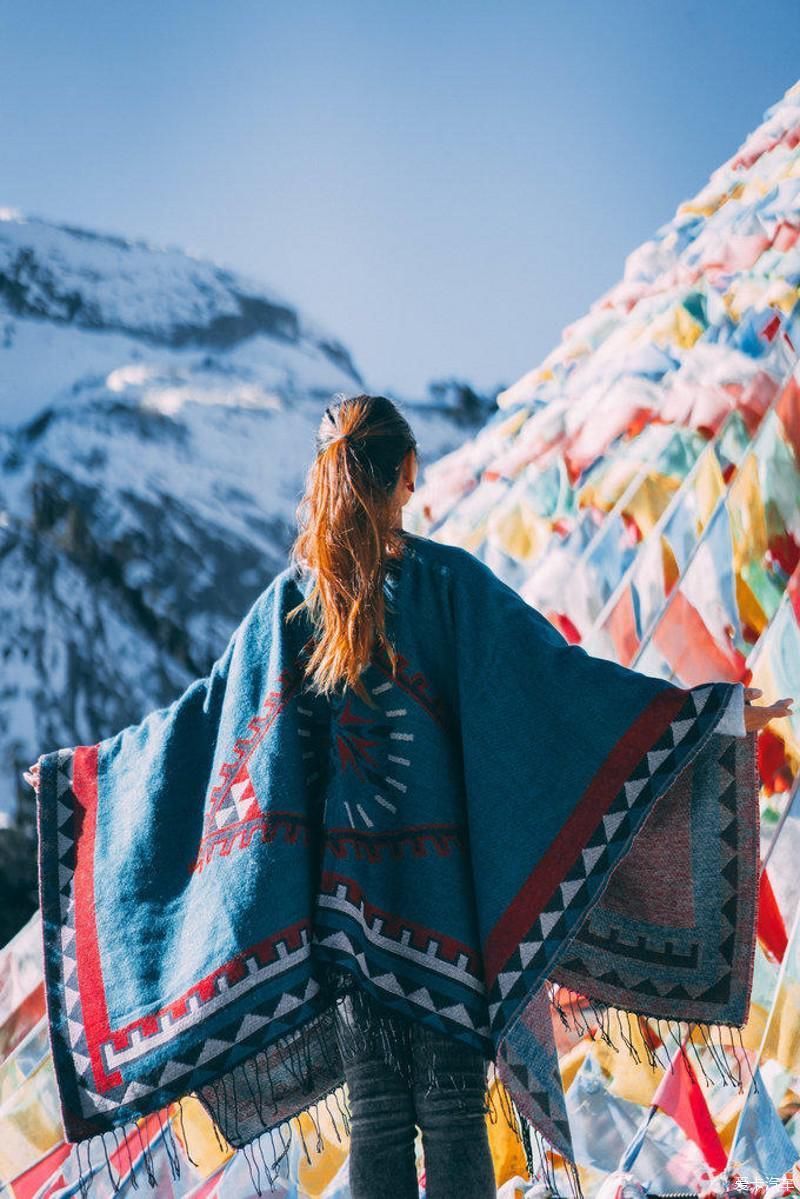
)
(285, 589)
(455, 559)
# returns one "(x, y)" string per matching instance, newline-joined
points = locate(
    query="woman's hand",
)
(31, 775)
(759, 717)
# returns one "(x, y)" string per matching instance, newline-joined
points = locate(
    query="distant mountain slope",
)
(157, 416)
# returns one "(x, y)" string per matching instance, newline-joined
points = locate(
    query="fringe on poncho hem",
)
(389, 1035)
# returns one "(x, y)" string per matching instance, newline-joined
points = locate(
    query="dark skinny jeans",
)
(386, 1107)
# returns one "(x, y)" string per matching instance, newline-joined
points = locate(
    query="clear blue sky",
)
(445, 184)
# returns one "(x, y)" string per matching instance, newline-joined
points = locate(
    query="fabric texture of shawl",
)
(512, 813)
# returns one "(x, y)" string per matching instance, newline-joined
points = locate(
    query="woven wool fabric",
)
(511, 813)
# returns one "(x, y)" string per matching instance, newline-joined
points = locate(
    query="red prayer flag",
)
(28, 1184)
(680, 1095)
(771, 928)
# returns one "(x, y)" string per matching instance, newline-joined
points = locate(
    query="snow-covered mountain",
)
(157, 416)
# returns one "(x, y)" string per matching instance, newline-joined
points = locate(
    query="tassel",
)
(547, 1173)
(708, 1041)
(578, 1017)
(332, 1118)
(271, 1085)
(223, 1084)
(81, 1182)
(260, 1102)
(183, 1134)
(736, 1079)
(738, 1075)
(647, 1041)
(109, 1170)
(305, 1044)
(255, 1179)
(256, 1102)
(131, 1165)
(116, 1143)
(666, 1030)
(490, 1107)
(574, 1180)
(330, 1064)
(313, 1115)
(562, 1015)
(746, 1056)
(285, 1145)
(149, 1166)
(270, 1177)
(340, 1103)
(508, 1108)
(169, 1146)
(678, 1045)
(693, 1044)
(303, 1139)
(525, 1137)
(272, 1146)
(217, 1133)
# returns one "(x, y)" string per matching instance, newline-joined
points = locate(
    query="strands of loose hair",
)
(347, 528)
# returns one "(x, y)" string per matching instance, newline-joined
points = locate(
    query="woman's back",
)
(428, 792)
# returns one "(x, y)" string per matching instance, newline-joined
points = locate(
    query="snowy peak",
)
(165, 297)
(157, 418)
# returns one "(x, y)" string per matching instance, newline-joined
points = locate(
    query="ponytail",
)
(348, 523)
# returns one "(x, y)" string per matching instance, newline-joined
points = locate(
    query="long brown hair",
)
(347, 527)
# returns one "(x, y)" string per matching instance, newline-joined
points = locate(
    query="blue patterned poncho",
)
(512, 813)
